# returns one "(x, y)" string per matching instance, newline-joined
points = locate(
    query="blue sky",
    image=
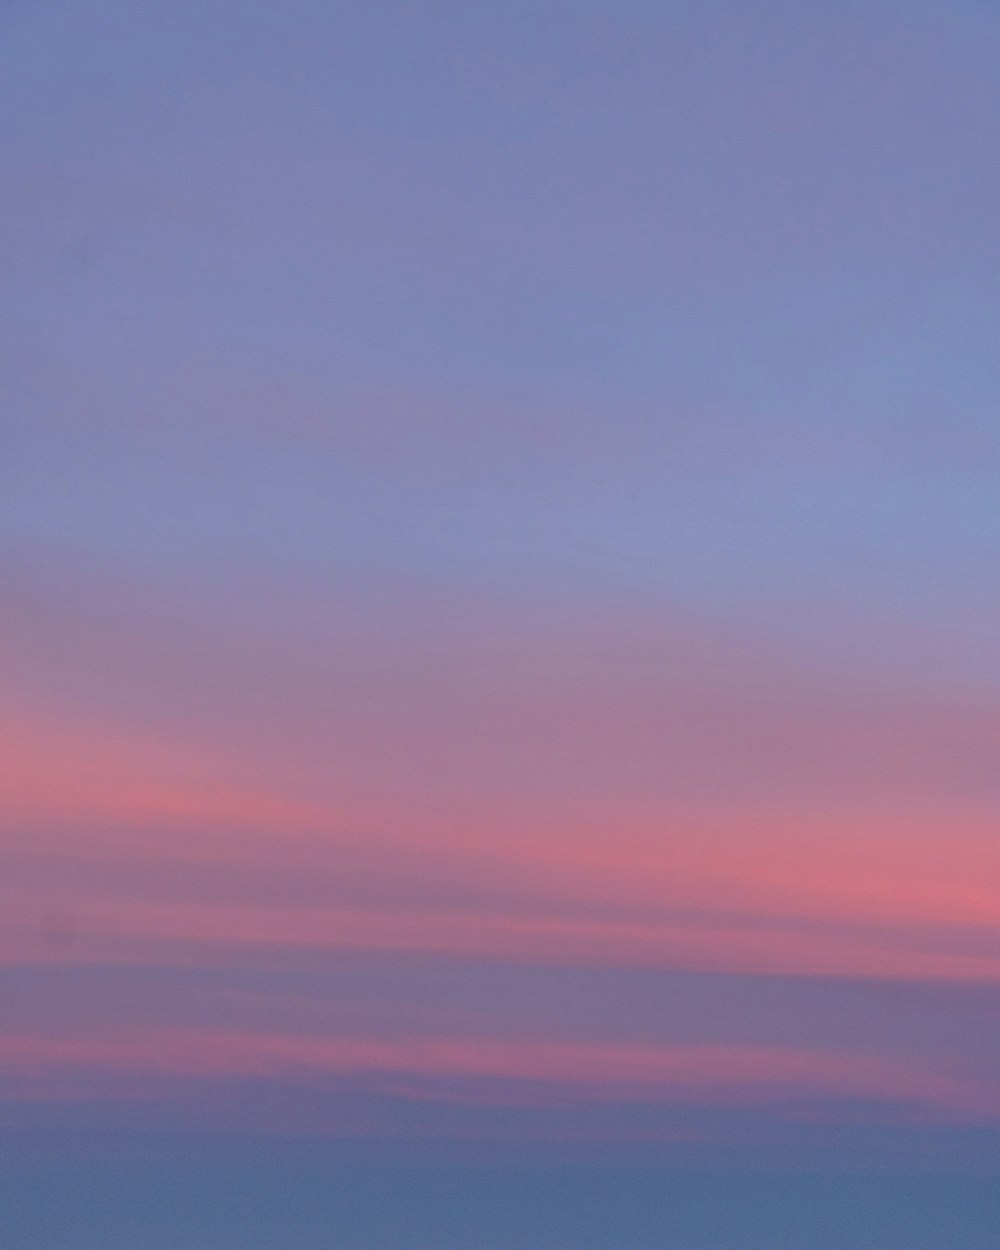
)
(498, 666)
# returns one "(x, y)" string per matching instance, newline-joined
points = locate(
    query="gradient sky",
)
(499, 662)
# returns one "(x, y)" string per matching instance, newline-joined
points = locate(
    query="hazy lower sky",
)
(499, 650)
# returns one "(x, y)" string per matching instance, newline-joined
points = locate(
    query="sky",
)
(499, 667)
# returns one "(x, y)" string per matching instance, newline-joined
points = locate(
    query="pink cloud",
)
(533, 789)
(706, 1074)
